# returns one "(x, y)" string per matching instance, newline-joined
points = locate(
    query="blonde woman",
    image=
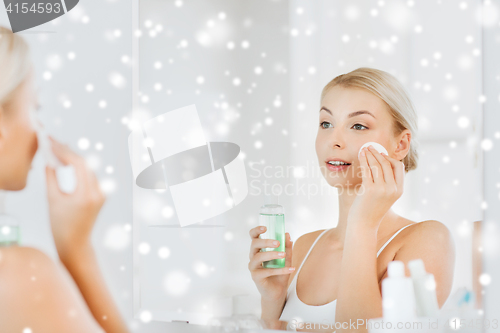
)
(36, 293)
(334, 277)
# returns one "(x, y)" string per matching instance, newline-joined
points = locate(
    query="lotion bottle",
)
(398, 301)
(425, 289)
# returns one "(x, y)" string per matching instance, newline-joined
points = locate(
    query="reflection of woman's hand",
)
(72, 216)
(382, 185)
(271, 282)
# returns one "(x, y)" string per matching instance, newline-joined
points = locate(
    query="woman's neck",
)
(346, 199)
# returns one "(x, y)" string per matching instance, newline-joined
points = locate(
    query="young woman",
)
(36, 293)
(340, 269)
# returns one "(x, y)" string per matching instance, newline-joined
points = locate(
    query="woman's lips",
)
(336, 168)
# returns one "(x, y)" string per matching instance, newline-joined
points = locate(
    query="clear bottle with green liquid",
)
(9, 227)
(272, 216)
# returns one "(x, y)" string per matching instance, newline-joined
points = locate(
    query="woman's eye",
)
(324, 122)
(361, 126)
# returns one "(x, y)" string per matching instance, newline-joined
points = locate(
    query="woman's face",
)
(18, 142)
(342, 131)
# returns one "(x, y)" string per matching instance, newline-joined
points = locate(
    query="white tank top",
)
(295, 309)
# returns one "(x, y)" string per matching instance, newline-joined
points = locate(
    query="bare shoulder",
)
(17, 260)
(35, 289)
(427, 238)
(432, 242)
(304, 243)
(429, 232)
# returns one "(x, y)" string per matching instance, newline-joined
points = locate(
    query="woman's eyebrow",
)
(352, 114)
(323, 108)
(357, 113)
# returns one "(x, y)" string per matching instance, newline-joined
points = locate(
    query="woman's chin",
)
(19, 184)
(343, 183)
(15, 187)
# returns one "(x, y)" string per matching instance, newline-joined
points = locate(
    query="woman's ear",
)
(403, 145)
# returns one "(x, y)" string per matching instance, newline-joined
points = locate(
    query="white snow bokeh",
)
(176, 283)
(116, 237)
(201, 268)
(163, 252)
(117, 80)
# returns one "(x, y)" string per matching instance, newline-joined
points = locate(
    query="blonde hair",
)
(15, 63)
(393, 93)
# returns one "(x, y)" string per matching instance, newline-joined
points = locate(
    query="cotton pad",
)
(65, 174)
(66, 178)
(375, 145)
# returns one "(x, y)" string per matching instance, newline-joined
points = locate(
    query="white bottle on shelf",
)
(425, 289)
(398, 300)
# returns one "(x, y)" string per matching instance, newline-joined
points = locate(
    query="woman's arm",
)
(272, 307)
(358, 296)
(271, 311)
(72, 217)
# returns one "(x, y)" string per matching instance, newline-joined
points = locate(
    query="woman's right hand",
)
(272, 283)
(72, 216)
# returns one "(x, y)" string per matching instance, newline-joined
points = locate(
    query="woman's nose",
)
(336, 138)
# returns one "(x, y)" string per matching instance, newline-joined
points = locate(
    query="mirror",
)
(254, 72)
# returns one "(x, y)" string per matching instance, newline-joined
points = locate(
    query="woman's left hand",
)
(382, 185)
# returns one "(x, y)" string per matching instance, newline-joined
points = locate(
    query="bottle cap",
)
(271, 199)
(271, 205)
(417, 268)
(396, 269)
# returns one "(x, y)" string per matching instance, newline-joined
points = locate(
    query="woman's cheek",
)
(34, 142)
(31, 142)
(34, 145)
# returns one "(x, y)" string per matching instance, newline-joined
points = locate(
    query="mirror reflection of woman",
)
(38, 294)
(335, 275)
